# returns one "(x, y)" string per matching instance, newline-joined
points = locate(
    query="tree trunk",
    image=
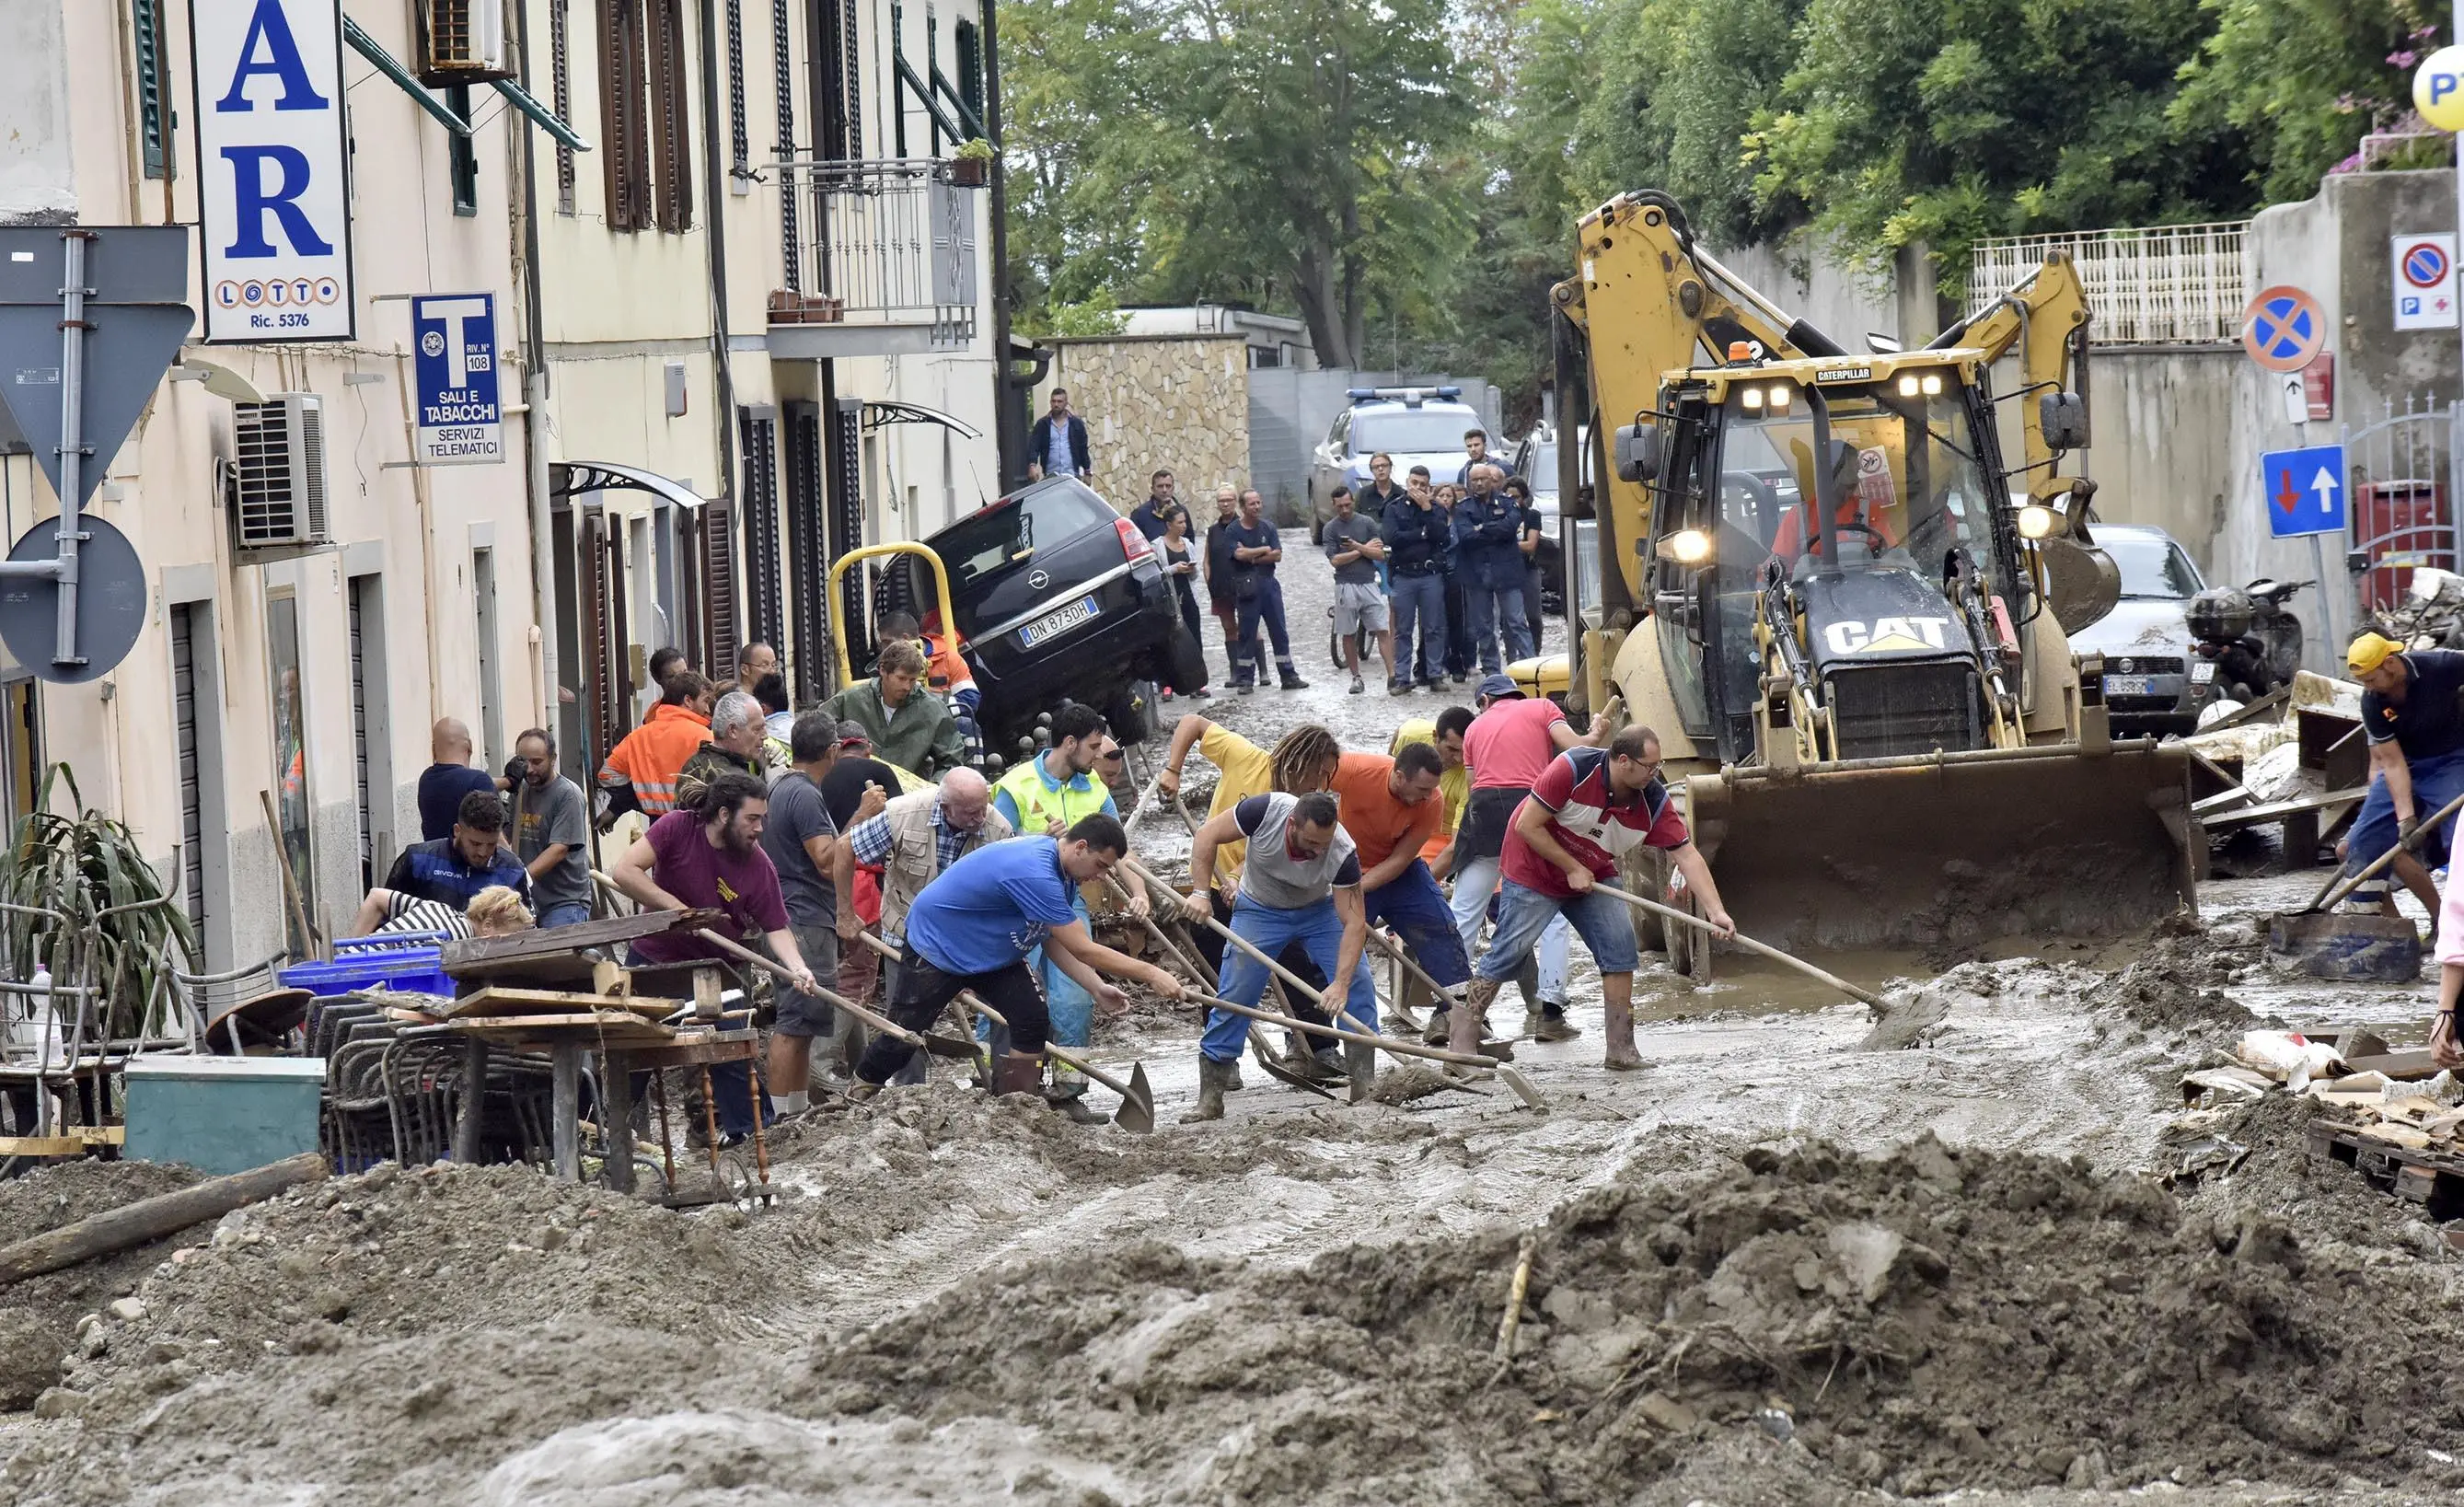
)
(1315, 289)
(1355, 314)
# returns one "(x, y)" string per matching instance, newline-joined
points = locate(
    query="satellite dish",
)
(111, 602)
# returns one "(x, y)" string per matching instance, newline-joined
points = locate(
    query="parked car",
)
(2154, 683)
(1536, 460)
(1416, 426)
(1058, 597)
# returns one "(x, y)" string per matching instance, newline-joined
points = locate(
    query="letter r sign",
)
(274, 159)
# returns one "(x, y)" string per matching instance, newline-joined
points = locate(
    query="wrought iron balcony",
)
(881, 258)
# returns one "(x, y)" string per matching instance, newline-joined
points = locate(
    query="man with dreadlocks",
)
(1303, 762)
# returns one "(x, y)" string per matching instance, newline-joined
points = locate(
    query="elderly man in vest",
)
(915, 838)
(1046, 796)
(1298, 883)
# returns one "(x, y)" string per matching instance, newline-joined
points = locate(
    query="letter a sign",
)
(273, 156)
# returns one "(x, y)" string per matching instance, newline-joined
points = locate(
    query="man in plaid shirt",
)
(915, 838)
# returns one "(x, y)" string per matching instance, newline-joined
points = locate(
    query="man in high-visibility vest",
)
(1045, 797)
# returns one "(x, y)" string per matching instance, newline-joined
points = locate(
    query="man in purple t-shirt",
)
(711, 856)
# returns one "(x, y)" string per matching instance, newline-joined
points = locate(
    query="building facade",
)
(742, 325)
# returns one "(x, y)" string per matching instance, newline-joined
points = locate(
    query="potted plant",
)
(88, 907)
(971, 166)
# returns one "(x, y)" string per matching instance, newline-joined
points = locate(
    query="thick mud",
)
(1806, 1256)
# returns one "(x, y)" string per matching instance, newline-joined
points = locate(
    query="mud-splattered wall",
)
(1177, 403)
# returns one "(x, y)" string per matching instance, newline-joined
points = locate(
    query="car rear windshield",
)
(1409, 431)
(1006, 533)
(2152, 567)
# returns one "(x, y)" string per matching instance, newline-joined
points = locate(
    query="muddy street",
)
(1803, 1257)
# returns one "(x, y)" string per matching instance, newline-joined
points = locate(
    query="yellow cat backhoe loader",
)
(1845, 617)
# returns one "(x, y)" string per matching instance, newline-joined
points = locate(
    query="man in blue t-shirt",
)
(447, 778)
(973, 928)
(2413, 710)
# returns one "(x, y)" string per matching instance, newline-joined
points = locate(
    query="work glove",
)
(2405, 827)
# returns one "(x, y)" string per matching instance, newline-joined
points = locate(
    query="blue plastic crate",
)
(408, 963)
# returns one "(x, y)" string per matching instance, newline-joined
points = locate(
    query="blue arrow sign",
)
(2304, 490)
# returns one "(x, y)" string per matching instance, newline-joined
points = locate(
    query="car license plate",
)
(1043, 629)
(2203, 673)
(2129, 686)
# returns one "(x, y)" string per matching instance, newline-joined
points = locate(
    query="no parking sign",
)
(2424, 270)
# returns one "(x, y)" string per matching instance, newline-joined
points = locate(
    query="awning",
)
(878, 415)
(541, 115)
(569, 478)
(387, 64)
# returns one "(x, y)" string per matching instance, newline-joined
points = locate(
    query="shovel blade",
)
(1522, 1087)
(1137, 1107)
(2348, 945)
(941, 1046)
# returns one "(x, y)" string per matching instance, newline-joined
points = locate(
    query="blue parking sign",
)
(2304, 490)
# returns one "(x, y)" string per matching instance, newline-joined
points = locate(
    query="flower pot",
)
(969, 172)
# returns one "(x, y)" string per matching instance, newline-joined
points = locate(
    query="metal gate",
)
(2401, 472)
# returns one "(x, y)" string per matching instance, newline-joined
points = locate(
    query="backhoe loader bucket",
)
(1952, 849)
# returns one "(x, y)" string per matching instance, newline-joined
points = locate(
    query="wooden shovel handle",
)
(1765, 948)
(880, 1023)
(975, 1002)
(1400, 1048)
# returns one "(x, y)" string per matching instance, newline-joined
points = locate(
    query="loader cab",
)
(1836, 498)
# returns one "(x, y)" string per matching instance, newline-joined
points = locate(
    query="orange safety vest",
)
(650, 755)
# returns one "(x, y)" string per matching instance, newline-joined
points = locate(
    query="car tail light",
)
(1133, 545)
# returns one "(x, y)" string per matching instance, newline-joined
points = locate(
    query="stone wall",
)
(1177, 403)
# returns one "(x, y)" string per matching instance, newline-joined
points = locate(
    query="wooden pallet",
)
(2433, 1178)
(499, 999)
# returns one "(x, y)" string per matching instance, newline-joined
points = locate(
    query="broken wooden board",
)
(2234, 820)
(501, 999)
(528, 952)
(606, 1027)
(2406, 1066)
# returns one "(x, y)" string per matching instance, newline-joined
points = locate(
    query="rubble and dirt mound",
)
(2177, 986)
(38, 1317)
(1864, 1318)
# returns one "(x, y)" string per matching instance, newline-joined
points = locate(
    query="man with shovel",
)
(1561, 849)
(1300, 882)
(972, 928)
(2412, 711)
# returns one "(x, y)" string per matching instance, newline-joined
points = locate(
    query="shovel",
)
(1521, 1085)
(1389, 946)
(937, 1045)
(1672, 913)
(1197, 970)
(2357, 947)
(1138, 1101)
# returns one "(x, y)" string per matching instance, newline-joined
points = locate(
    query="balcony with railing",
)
(880, 258)
(2167, 284)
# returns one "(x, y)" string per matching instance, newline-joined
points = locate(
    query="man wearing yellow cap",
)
(2413, 710)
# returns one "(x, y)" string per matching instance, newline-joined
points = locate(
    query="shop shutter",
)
(721, 635)
(808, 562)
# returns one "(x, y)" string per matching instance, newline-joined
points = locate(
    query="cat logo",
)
(1885, 635)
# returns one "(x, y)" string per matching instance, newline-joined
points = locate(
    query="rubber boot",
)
(1013, 1073)
(1618, 1029)
(1464, 1021)
(1439, 1031)
(1211, 1078)
(1073, 1103)
(1360, 1061)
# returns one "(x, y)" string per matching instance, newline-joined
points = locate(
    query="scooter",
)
(2249, 637)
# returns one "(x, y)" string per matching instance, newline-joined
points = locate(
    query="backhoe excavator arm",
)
(1647, 299)
(2046, 317)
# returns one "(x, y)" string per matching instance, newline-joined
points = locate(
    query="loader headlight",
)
(1928, 385)
(1688, 547)
(2037, 522)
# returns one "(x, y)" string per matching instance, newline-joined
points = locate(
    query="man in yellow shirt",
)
(1301, 761)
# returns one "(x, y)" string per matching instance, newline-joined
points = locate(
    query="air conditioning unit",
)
(277, 478)
(461, 40)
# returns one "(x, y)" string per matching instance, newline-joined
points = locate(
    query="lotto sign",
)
(2282, 328)
(272, 153)
(2425, 281)
(454, 373)
(2438, 89)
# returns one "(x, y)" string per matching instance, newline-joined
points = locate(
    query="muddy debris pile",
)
(2178, 984)
(39, 1318)
(1850, 1322)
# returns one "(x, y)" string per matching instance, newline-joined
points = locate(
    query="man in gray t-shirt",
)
(802, 842)
(551, 833)
(1353, 541)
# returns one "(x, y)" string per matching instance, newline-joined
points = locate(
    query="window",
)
(463, 163)
(1407, 430)
(2151, 567)
(994, 539)
(670, 66)
(970, 45)
(645, 126)
(561, 81)
(758, 429)
(838, 95)
(739, 136)
(624, 124)
(289, 759)
(784, 61)
(156, 119)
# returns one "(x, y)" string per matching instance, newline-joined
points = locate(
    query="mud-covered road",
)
(1801, 1258)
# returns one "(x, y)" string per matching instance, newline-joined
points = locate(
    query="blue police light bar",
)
(1357, 394)
(1450, 393)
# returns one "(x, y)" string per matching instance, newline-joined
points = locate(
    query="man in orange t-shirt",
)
(1392, 808)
